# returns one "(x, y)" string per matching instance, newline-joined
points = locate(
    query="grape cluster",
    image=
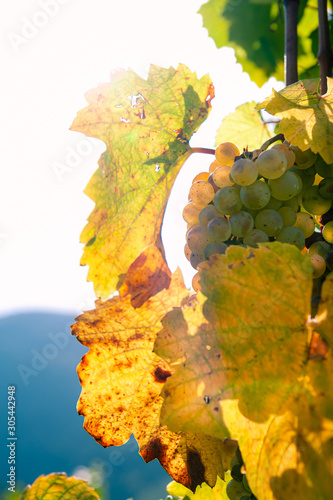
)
(238, 488)
(280, 193)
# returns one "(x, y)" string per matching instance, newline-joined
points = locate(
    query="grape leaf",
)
(248, 364)
(58, 487)
(306, 116)
(122, 378)
(247, 28)
(146, 126)
(244, 127)
(255, 30)
(203, 492)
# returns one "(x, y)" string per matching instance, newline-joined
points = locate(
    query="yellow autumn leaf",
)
(58, 487)
(247, 368)
(244, 127)
(306, 116)
(146, 126)
(122, 378)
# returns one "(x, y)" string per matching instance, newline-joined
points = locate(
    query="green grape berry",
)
(198, 238)
(328, 232)
(219, 229)
(214, 248)
(235, 490)
(256, 196)
(271, 164)
(314, 202)
(285, 187)
(289, 216)
(254, 237)
(241, 224)
(227, 200)
(244, 172)
(306, 223)
(292, 235)
(269, 221)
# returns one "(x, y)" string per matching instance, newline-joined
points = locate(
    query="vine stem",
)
(278, 137)
(207, 151)
(290, 41)
(325, 57)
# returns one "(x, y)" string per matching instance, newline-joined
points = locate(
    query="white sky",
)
(46, 71)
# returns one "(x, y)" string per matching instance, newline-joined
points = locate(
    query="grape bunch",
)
(280, 193)
(238, 488)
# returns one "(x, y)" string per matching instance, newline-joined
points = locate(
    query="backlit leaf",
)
(203, 492)
(59, 487)
(122, 378)
(146, 126)
(244, 127)
(247, 369)
(306, 116)
(255, 30)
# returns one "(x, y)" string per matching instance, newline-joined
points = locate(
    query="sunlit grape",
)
(305, 222)
(201, 192)
(221, 176)
(207, 214)
(187, 251)
(244, 172)
(225, 153)
(198, 238)
(328, 232)
(318, 265)
(213, 166)
(202, 176)
(191, 213)
(195, 282)
(285, 187)
(288, 153)
(271, 164)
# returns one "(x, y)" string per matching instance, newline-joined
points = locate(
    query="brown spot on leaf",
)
(196, 469)
(161, 375)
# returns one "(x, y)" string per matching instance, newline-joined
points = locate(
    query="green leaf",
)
(306, 116)
(59, 487)
(203, 492)
(146, 126)
(244, 127)
(255, 30)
